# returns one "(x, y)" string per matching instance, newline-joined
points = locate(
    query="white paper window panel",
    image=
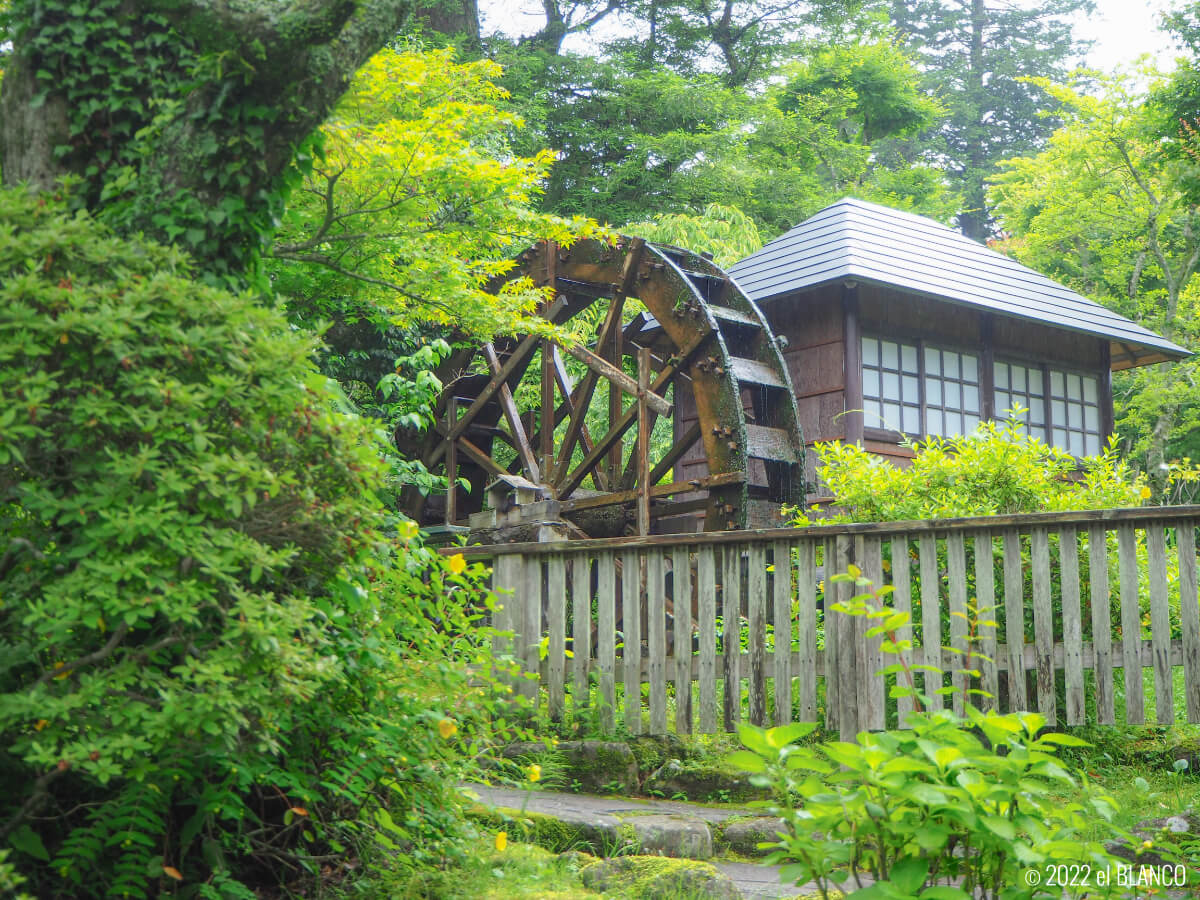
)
(891, 386)
(1089, 390)
(1058, 412)
(892, 416)
(933, 362)
(912, 419)
(1003, 402)
(950, 365)
(952, 394)
(970, 423)
(1074, 388)
(870, 351)
(1092, 444)
(1091, 419)
(1000, 376)
(970, 398)
(1077, 444)
(1037, 410)
(933, 391)
(891, 357)
(934, 422)
(911, 389)
(872, 408)
(1056, 384)
(1060, 438)
(1019, 378)
(870, 382)
(970, 368)
(908, 358)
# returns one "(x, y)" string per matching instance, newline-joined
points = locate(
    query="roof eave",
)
(1124, 353)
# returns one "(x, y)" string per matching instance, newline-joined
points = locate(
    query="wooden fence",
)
(1083, 604)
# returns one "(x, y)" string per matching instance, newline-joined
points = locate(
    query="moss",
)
(704, 781)
(658, 878)
(554, 834)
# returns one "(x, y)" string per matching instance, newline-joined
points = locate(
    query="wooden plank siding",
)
(757, 639)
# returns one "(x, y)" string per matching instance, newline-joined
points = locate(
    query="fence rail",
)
(1096, 618)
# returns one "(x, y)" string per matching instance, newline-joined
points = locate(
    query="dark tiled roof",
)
(872, 243)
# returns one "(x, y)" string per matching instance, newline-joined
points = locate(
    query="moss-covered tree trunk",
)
(183, 118)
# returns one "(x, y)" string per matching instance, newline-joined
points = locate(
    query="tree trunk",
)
(452, 18)
(973, 220)
(212, 105)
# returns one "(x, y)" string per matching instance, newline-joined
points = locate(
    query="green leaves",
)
(929, 811)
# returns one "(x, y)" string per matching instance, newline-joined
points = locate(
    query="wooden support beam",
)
(643, 442)
(520, 356)
(486, 462)
(509, 405)
(451, 464)
(547, 421)
(615, 376)
(568, 482)
(655, 491)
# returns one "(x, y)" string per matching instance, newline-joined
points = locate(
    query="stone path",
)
(669, 827)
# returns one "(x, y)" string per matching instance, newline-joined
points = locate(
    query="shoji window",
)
(894, 373)
(891, 385)
(1019, 385)
(1069, 418)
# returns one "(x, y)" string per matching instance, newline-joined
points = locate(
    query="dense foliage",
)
(219, 653)
(996, 470)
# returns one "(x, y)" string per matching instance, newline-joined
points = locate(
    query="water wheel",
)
(678, 416)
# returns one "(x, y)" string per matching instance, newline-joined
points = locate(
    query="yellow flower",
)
(40, 724)
(447, 728)
(456, 564)
(408, 529)
(501, 840)
(1145, 492)
(1147, 844)
(535, 772)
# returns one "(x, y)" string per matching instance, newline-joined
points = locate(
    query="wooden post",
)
(1131, 625)
(902, 603)
(547, 422)
(1160, 625)
(1014, 621)
(1101, 624)
(643, 441)
(451, 463)
(852, 354)
(756, 603)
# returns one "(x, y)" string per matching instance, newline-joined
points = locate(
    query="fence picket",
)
(806, 630)
(1160, 625)
(873, 686)
(1101, 624)
(756, 613)
(985, 610)
(606, 637)
(631, 627)
(829, 621)
(731, 635)
(956, 567)
(1189, 614)
(845, 631)
(781, 590)
(556, 627)
(656, 639)
(902, 603)
(931, 620)
(1014, 621)
(531, 629)
(1068, 555)
(581, 629)
(1131, 626)
(681, 580)
(706, 600)
(506, 572)
(1043, 622)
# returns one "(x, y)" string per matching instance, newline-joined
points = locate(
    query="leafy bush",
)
(220, 659)
(946, 808)
(995, 471)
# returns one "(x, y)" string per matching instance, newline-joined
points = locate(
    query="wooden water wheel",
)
(679, 415)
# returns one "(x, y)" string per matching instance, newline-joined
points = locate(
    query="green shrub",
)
(946, 808)
(995, 471)
(220, 659)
